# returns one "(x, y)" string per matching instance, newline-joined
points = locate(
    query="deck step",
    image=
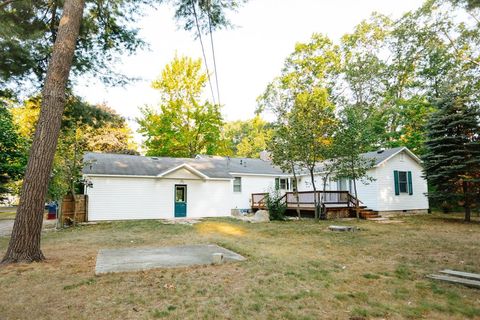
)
(369, 214)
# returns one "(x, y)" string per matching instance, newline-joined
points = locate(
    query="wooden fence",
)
(74, 209)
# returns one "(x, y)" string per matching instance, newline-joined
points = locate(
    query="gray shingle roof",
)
(377, 156)
(214, 167)
(380, 156)
(211, 166)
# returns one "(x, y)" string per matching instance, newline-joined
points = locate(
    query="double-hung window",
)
(282, 184)
(237, 184)
(403, 182)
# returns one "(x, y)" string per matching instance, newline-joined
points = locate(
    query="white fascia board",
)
(261, 174)
(139, 176)
(117, 176)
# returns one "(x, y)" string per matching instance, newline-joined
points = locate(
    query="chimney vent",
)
(265, 155)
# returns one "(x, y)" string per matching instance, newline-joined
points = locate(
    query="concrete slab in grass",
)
(138, 259)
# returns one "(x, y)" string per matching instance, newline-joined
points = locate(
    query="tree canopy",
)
(84, 128)
(28, 30)
(12, 151)
(184, 124)
(247, 138)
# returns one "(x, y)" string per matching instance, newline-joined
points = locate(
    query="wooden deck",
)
(328, 200)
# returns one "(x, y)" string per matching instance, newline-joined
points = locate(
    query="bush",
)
(275, 205)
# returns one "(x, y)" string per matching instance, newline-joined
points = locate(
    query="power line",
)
(203, 50)
(213, 53)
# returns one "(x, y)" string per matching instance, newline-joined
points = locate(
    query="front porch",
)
(332, 203)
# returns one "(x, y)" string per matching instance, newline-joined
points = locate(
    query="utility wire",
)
(213, 53)
(203, 50)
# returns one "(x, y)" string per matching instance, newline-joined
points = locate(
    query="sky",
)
(248, 57)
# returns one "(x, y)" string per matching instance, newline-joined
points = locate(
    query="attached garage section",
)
(118, 198)
(128, 198)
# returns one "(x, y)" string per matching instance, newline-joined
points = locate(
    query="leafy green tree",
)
(313, 123)
(283, 146)
(452, 160)
(471, 4)
(392, 70)
(24, 244)
(353, 137)
(303, 99)
(284, 151)
(247, 138)
(84, 128)
(28, 30)
(12, 152)
(184, 125)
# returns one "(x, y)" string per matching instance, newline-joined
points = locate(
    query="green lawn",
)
(295, 270)
(7, 213)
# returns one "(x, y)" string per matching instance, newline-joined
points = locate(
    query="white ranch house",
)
(127, 187)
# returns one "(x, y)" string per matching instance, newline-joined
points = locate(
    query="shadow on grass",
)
(456, 218)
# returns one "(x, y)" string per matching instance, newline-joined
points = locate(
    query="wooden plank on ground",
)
(461, 274)
(465, 282)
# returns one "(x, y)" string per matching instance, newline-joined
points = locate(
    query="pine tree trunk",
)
(467, 205)
(467, 213)
(24, 244)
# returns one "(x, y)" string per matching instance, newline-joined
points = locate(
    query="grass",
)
(7, 213)
(294, 270)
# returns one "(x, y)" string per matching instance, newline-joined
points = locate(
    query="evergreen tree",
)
(452, 160)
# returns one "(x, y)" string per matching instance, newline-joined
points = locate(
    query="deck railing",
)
(306, 199)
(258, 200)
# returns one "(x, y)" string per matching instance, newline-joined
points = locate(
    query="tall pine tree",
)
(452, 160)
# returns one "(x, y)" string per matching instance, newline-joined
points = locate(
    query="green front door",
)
(180, 201)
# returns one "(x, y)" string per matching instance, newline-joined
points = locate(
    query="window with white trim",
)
(237, 184)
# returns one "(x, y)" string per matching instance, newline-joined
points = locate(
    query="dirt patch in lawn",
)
(294, 270)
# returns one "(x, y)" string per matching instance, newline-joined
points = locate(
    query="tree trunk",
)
(297, 198)
(467, 213)
(467, 205)
(325, 179)
(315, 202)
(357, 204)
(24, 244)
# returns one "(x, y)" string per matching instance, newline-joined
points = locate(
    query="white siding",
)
(379, 195)
(387, 200)
(118, 198)
(367, 192)
(250, 184)
(305, 183)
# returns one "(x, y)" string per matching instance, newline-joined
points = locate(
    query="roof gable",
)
(183, 171)
(393, 153)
